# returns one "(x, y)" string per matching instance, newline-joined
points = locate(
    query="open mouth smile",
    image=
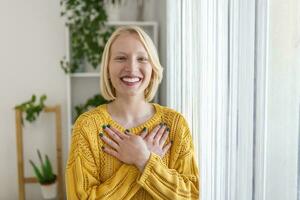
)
(131, 80)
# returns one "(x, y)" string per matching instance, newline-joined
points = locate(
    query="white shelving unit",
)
(83, 85)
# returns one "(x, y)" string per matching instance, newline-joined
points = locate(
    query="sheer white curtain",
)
(216, 76)
(183, 63)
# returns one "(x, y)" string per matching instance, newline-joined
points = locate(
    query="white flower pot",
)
(49, 191)
(113, 11)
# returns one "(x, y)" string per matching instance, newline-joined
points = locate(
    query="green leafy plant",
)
(44, 173)
(88, 33)
(31, 109)
(95, 101)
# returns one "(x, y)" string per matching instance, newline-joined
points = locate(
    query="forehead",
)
(128, 42)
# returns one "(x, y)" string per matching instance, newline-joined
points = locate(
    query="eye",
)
(120, 58)
(143, 59)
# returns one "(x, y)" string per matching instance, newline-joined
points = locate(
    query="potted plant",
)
(92, 102)
(32, 109)
(45, 177)
(85, 21)
(112, 8)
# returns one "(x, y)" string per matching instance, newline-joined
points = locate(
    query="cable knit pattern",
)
(93, 174)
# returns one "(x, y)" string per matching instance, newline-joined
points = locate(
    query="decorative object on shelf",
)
(22, 180)
(45, 176)
(113, 8)
(125, 10)
(93, 102)
(140, 10)
(32, 111)
(146, 9)
(88, 33)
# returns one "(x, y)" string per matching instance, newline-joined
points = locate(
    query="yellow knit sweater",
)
(93, 174)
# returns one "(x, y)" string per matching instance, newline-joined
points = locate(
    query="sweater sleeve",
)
(82, 173)
(182, 182)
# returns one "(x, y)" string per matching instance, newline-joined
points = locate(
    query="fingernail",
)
(171, 141)
(104, 126)
(101, 134)
(108, 125)
(144, 129)
(168, 129)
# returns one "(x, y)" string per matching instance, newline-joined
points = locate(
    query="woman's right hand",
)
(128, 148)
(156, 139)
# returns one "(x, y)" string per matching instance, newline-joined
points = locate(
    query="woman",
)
(130, 148)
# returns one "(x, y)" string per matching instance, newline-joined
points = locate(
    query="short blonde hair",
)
(106, 87)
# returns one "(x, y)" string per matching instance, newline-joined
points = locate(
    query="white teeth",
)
(131, 80)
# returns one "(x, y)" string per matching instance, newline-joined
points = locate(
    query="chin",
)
(132, 93)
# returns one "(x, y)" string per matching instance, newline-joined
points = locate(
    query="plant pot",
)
(88, 67)
(49, 191)
(113, 11)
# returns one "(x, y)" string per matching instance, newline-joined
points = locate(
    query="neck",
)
(130, 109)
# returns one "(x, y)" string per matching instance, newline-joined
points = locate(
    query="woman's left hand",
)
(156, 139)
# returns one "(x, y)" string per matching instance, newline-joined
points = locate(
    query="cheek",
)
(113, 70)
(112, 73)
(148, 72)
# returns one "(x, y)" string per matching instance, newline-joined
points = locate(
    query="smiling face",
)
(129, 66)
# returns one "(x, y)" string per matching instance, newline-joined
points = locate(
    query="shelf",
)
(86, 74)
(138, 23)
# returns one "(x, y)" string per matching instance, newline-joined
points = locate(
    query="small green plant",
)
(31, 109)
(95, 101)
(44, 173)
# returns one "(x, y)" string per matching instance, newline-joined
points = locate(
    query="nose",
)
(131, 65)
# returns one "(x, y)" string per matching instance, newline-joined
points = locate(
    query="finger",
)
(144, 132)
(112, 134)
(159, 134)
(121, 135)
(164, 137)
(167, 147)
(108, 141)
(110, 152)
(127, 132)
(153, 132)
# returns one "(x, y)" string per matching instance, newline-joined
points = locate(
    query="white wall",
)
(283, 100)
(32, 42)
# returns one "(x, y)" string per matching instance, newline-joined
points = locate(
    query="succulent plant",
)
(44, 173)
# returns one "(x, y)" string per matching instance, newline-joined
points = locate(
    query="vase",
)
(49, 191)
(113, 11)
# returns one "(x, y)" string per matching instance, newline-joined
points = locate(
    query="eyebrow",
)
(139, 52)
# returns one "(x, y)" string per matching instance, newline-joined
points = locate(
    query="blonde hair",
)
(106, 87)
